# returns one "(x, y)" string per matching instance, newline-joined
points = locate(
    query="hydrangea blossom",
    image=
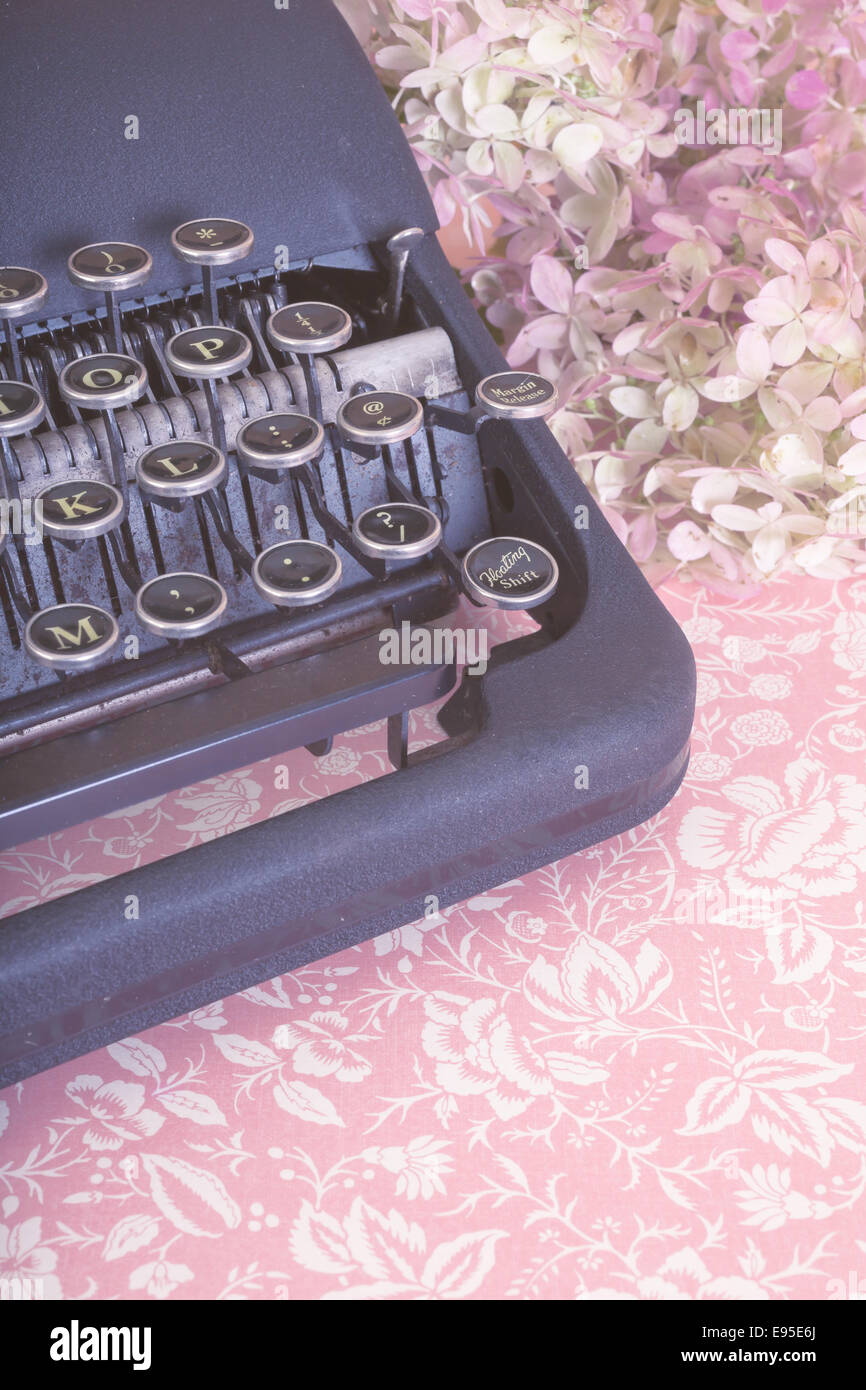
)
(700, 305)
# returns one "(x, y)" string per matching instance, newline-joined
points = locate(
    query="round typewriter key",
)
(70, 635)
(182, 468)
(516, 395)
(211, 351)
(21, 408)
(212, 241)
(397, 531)
(105, 381)
(310, 327)
(22, 291)
(507, 572)
(111, 266)
(379, 417)
(77, 509)
(297, 573)
(180, 605)
(280, 441)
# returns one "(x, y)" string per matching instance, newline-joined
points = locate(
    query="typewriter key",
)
(278, 441)
(310, 327)
(180, 605)
(212, 351)
(379, 417)
(181, 468)
(507, 572)
(70, 636)
(212, 241)
(21, 408)
(114, 267)
(516, 395)
(79, 508)
(105, 381)
(397, 531)
(297, 573)
(111, 266)
(208, 242)
(22, 292)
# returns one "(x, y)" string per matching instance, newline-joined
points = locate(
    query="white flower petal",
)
(785, 256)
(680, 407)
(789, 344)
(753, 354)
(633, 402)
(577, 144)
(735, 518)
(769, 311)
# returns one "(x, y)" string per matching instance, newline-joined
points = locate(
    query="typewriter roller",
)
(233, 453)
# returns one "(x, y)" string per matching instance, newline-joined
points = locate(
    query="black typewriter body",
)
(214, 111)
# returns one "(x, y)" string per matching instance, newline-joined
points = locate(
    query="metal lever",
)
(399, 248)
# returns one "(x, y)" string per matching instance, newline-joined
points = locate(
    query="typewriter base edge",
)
(164, 1006)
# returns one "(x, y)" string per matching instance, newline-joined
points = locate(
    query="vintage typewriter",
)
(248, 421)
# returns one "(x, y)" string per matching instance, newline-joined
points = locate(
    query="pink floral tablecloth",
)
(637, 1073)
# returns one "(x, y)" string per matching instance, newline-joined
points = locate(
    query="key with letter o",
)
(104, 381)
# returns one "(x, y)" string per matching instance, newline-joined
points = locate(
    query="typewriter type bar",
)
(234, 455)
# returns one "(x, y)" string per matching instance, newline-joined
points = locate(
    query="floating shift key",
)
(508, 572)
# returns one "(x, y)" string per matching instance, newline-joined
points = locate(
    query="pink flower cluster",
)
(667, 201)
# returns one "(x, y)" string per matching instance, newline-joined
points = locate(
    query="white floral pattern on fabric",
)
(636, 1073)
